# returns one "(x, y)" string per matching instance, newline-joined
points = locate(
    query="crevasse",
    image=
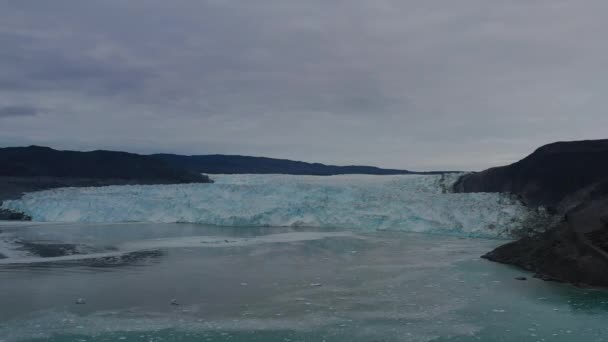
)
(365, 203)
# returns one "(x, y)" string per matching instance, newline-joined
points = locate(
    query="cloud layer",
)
(415, 84)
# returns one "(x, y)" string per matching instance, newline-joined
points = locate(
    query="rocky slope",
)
(571, 180)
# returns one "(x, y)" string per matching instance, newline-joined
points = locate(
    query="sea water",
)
(167, 281)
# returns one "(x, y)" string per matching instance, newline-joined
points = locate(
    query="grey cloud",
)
(413, 84)
(31, 63)
(10, 111)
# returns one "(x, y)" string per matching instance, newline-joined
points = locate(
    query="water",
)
(259, 284)
(329, 282)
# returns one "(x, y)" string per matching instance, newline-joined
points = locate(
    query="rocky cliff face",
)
(571, 180)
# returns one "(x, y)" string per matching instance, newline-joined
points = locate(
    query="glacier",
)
(413, 203)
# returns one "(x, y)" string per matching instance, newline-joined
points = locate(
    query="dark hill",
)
(231, 164)
(33, 168)
(548, 176)
(36, 161)
(570, 178)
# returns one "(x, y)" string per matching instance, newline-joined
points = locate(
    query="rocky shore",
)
(570, 180)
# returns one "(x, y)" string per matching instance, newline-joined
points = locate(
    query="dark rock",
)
(544, 277)
(571, 179)
(572, 251)
(10, 215)
(521, 278)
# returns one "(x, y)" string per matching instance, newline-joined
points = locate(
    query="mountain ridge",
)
(40, 161)
(236, 164)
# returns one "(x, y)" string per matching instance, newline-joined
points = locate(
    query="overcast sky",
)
(418, 84)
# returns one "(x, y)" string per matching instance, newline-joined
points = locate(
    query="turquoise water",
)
(277, 284)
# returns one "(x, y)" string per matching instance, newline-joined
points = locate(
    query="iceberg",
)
(413, 203)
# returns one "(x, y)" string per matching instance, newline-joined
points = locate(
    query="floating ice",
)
(365, 203)
(151, 245)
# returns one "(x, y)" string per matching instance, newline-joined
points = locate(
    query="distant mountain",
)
(37, 161)
(234, 164)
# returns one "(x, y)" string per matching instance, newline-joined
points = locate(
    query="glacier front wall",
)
(364, 203)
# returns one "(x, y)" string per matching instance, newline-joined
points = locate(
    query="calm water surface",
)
(275, 284)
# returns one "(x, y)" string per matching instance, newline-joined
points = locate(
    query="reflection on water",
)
(131, 259)
(271, 284)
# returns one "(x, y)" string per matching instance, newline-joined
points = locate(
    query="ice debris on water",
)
(315, 284)
(173, 302)
(80, 301)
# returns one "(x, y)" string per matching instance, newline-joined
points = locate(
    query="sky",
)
(415, 84)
